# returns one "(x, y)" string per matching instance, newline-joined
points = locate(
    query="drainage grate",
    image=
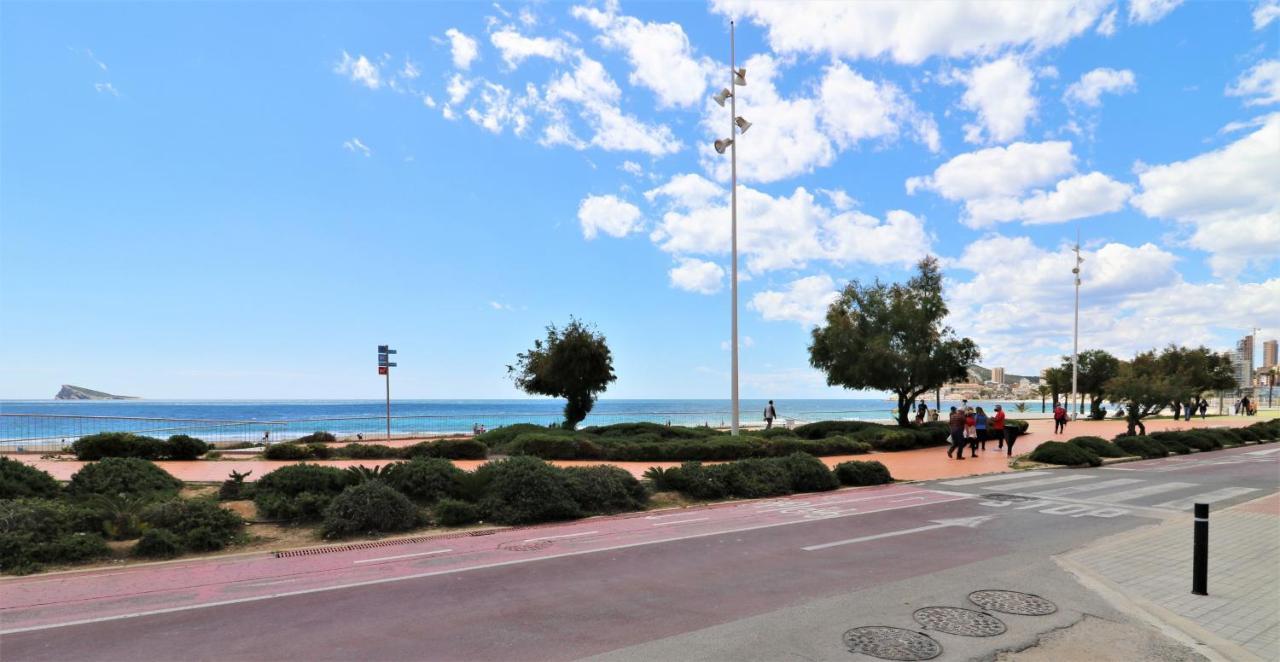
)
(996, 496)
(964, 622)
(525, 546)
(1012, 602)
(312, 551)
(888, 643)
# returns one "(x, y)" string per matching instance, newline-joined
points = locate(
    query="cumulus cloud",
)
(608, 214)
(907, 34)
(354, 145)
(1228, 199)
(1260, 85)
(1091, 86)
(359, 70)
(1265, 12)
(464, 49)
(1150, 11)
(590, 88)
(516, 48)
(804, 300)
(1107, 26)
(1000, 93)
(696, 275)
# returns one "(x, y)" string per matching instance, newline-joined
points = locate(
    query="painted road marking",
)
(968, 522)
(567, 535)
(402, 556)
(1207, 497)
(278, 581)
(424, 575)
(1037, 482)
(1266, 452)
(989, 479)
(682, 521)
(1076, 489)
(1149, 490)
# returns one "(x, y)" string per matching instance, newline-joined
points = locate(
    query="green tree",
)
(1143, 387)
(1095, 368)
(573, 363)
(892, 338)
(1193, 371)
(1059, 382)
(1044, 391)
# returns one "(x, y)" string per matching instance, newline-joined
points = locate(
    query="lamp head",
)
(740, 76)
(723, 144)
(721, 96)
(743, 124)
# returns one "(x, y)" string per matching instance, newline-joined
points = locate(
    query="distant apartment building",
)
(1242, 358)
(1269, 350)
(997, 375)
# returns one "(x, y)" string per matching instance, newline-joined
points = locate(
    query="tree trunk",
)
(904, 403)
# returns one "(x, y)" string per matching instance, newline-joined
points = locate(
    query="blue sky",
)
(201, 200)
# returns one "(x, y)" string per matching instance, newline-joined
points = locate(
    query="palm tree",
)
(1043, 390)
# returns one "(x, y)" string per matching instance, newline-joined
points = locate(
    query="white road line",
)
(402, 556)
(1037, 482)
(682, 521)
(1149, 490)
(278, 581)
(1266, 452)
(1207, 497)
(968, 522)
(989, 479)
(567, 535)
(914, 498)
(1076, 489)
(433, 573)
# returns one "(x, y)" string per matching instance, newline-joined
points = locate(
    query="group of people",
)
(973, 428)
(1186, 412)
(1246, 407)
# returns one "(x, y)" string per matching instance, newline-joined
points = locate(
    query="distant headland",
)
(69, 392)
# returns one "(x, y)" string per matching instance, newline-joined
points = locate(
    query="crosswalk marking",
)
(1149, 490)
(1076, 489)
(1037, 482)
(993, 478)
(1207, 497)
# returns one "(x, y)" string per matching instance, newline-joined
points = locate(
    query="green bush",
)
(553, 446)
(1098, 446)
(774, 433)
(938, 432)
(498, 437)
(426, 479)
(299, 491)
(1057, 452)
(234, 488)
(605, 490)
(370, 507)
(122, 475)
(202, 525)
(859, 473)
(627, 430)
(895, 439)
(808, 473)
(663, 479)
(524, 490)
(753, 478)
(452, 449)
(839, 445)
(183, 447)
(1170, 441)
(823, 429)
(1140, 446)
(159, 544)
(318, 437)
(368, 452)
(1248, 433)
(287, 451)
(1201, 440)
(695, 480)
(452, 512)
(117, 444)
(34, 532)
(18, 481)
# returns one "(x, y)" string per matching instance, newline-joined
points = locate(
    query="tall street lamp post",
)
(1075, 333)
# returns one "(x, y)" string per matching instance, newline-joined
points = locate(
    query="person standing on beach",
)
(1059, 419)
(769, 414)
(997, 427)
(956, 422)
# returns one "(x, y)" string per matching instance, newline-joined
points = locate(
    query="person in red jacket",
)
(997, 428)
(1059, 419)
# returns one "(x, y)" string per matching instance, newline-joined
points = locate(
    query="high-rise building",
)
(1243, 360)
(997, 375)
(1269, 350)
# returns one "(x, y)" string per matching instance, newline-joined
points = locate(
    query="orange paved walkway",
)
(923, 464)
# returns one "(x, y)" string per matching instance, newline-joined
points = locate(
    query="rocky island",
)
(69, 392)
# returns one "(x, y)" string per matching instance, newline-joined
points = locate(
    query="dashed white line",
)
(1037, 482)
(682, 521)
(402, 556)
(567, 535)
(1149, 490)
(1076, 489)
(990, 479)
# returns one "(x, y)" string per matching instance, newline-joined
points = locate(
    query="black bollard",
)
(1200, 560)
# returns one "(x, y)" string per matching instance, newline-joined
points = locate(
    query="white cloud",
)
(840, 199)
(1260, 84)
(410, 70)
(458, 89)
(106, 88)
(359, 70)
(1266, 12)
(498, 305)
(464, 49)
(1150, 11)
(856, 109)
(1091, 86)
(804, 300)
(696, 275)
(632, 168)
(1081, 196)
(354, 145)
(516, 48)
(660, 54)
(1229, 199)
(909, 33)
(1107, 26)
(496, 108)
(608, 214)
(593, 91)
(1000, 93)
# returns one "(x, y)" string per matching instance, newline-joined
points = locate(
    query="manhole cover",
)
(996, 496)
(531, 546)
(889, 643)
(1012, 602)
(954, 620)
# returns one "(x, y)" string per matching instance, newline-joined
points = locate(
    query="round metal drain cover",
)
(531, 546)
(964, 622)
(889, 643)
(1012, 602)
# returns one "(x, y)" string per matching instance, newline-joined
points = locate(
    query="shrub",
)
(18, 481)
(859, 473)
(497, 437)
(183, 447)
(1201, 440)
(453, 449)
(605, 489)
(1057, 452)
(783, 446)
(234, 487)
(553, 447)
(1098, 446)
(368, 452)
(159, 544)
(774, 433)
(316, 438)
(522, 490)
(452, 512)
(118, 516)
(117, 444)
(1019, 425)
(808, 473)
(203, 525)
(1247, 434)
(363, 474)
(894, 439)
(823, 429)
(370, 507)
(662, 479)
(122, 475)
(1170, 441)
(300, 491)
(287, 451)
(38, 531)
(939, 433)
(753, 478)
(1140, 446)
(426, 479)
(693, 479)
(627, 430)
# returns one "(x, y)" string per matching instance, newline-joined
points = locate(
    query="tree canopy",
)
(1177, 376)
(891, 337)
(1095, 367)
(573, 363)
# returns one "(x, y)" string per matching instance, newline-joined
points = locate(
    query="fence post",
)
(1200, 558)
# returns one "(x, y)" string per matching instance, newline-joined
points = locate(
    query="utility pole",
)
(384, 369)
(1075, 335)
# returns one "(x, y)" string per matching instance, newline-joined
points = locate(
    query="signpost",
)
(384, 368)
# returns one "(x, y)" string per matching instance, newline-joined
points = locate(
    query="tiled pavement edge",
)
(1151, 569)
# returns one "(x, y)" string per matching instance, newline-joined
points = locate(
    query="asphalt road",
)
(769, 580)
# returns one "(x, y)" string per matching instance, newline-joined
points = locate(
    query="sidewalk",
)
(922, 464)
(1240, 618)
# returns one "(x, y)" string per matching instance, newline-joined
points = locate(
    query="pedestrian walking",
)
(970, 429)
(980, 427)
(956, 423)
(1204, 408)
(1191, 409)
(1246, 406)
(997, 426)
(1059, 419)
(769, 414)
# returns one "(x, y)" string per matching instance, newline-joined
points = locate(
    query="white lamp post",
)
(1075, 340)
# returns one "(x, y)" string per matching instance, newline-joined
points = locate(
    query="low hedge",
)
(553, 446)
(357, 451)
(1098, 446)
(158, 544)
(126, 444)
(454, 512)
(34, 532)
(624, 430)
(370, 507)
(19, 480)
(183, 447)
(525, 490)
(201, 525)
(297, 451)
(824, 429)
(750, 478)
(426, 479)
(1063, 453)
(127, 476)
(299, 491)
(605, 490)
(452, 449)
(1140, 446)
(858, 473)
(319, 437)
